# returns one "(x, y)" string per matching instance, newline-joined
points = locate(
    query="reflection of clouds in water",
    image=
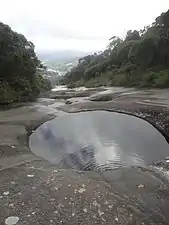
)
(78, 142)
(81, 129)
(105, 151)
(87, 135)
(46, 143)
(107, 155)
(99, 139)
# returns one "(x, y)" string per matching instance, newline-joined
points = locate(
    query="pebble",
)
(81, 190)
(12, 146)
(30, 175)
(13, 182)
(6, 193)
(85, 210)
(141, 186)
(100, 213)
(11, 205)
(11, 220)
(32, 167)
(96, 204)
(60, 205)
(116, 218)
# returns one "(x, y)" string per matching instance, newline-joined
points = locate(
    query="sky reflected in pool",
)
(98, 140)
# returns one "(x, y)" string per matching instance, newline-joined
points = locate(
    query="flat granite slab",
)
(37, 193)
(34, 192)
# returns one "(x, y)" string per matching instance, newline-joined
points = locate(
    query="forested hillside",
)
(20, 70)
(140, 59)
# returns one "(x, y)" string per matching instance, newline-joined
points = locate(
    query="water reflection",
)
(98, 140)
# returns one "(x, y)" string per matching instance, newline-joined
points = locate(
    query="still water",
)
(98, 140)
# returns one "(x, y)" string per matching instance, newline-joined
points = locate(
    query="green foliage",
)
(141, 59)
(156, 79)
(42, 83)
(18, 68)
(122, 56)
(142, 52)
(132, 35)
(7, 94)
(114, 42)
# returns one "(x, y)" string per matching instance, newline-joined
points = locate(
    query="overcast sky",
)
(78, 24)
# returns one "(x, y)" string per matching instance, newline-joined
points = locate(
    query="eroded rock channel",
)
(98, 140)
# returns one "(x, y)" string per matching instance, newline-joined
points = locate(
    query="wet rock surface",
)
(74, 93)
(32, 191)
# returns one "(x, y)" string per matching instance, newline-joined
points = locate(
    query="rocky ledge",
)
(32, 191)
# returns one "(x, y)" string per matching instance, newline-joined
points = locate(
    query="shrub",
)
(156, 79)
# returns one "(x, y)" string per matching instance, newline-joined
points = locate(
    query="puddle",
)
(98, 140)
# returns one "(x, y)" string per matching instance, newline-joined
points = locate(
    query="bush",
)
(7, 95)
(156, 79)
(120, 79)
(162, 81)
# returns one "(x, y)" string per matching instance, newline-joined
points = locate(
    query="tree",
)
(18, 66)
(114, 42)
(124, 62)
(132, 35)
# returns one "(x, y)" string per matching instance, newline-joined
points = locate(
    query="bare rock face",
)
(33, 191)
(39, 192)
(103, 98)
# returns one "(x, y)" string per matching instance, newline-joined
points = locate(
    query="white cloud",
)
(78, 24)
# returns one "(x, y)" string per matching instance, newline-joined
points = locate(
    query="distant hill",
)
(63, 55)
(61, 61)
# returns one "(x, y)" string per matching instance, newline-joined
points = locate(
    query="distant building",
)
(69, 64)
(51, 70)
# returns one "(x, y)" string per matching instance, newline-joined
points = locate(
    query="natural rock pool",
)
(98, 140)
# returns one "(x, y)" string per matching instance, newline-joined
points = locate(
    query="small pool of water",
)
(98, 140)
